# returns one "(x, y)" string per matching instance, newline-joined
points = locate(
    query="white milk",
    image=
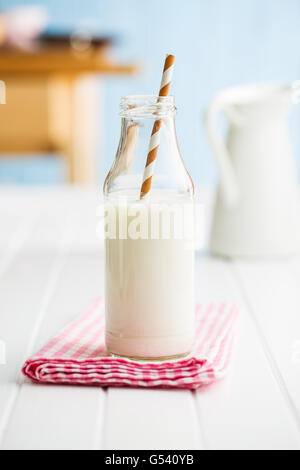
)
(150, 281)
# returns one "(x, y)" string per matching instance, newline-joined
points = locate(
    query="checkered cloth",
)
(77, 355)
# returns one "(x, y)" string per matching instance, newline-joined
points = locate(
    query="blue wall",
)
(217, 43)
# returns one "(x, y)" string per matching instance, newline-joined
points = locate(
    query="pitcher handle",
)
(228, 182)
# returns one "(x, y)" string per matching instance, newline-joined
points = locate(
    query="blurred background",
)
(217, 43)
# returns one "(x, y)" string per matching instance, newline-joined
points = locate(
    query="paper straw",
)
(155, 136)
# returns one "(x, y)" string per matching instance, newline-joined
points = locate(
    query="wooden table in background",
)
(52, 104)
(51, 269)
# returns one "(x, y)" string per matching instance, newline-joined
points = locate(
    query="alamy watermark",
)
(2, 92)
(2, 353)
(123, 220)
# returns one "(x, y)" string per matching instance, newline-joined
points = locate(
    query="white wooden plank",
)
(82, 275)
(151, 419)
(272, 291)
(77, 411)
(16, 226)
(22, 296)
(247, 410)
(55, 418)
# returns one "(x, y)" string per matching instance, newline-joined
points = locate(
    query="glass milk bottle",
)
(149, 292)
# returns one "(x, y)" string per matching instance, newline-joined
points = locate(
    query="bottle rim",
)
(147, 106)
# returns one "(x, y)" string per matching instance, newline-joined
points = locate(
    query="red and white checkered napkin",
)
(77, 355)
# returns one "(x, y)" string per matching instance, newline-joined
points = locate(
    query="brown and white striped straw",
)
(155, 136)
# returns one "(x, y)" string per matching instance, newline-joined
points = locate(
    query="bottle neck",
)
(138, 123)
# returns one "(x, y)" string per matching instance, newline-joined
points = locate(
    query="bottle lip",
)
(147, 106)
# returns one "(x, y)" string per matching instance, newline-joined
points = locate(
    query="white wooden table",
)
(51, 269)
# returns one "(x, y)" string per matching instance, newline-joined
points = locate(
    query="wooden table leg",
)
(73, 105)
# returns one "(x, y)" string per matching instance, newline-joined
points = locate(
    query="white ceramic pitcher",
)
(256, 211)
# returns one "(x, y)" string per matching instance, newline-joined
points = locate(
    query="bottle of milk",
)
(149, 292)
